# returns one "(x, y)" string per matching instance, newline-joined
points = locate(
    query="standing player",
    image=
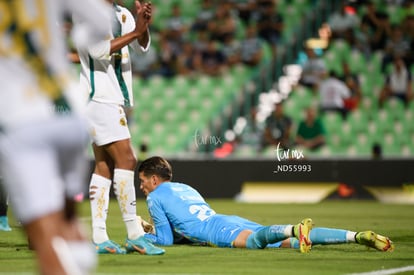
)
(4, 221)
(42, 150)
(180, 213)
(106, 72)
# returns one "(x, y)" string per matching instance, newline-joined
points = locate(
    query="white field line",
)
(387, 271)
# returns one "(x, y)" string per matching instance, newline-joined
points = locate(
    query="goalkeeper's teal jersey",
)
(178, 209)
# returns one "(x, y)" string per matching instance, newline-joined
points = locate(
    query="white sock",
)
(125, 193)
(84, 255)
(99, 198)
(350, 236)
(65, 256)
(288, 231)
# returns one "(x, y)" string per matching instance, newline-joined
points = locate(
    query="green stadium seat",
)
(369, 106)
(395, 108)
(363, 144)
(293, 108)
(408, 120)
(358, 120)
(411, 106)
(332, 121)
(357, 62)
(407, 150)
(337, 144)
(333, 60)
(348, 134)
(384, 119)
(374, 129)
(341, 48)
(303, 95)
(390, 145)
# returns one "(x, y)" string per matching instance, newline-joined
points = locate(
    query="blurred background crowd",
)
(242, 78)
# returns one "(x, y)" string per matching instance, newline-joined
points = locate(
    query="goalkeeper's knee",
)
(253, 243)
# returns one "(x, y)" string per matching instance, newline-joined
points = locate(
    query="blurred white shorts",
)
(42, 163)
(108, 122)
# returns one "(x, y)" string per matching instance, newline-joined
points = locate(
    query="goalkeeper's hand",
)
(148, 226)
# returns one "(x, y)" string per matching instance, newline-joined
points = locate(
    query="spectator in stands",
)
(176, 22)
(204, 16)
(175, 29)
(251, 47)
(245, 9)
(252, 134)
(313, 70)
(332, 93)
(167, 58)
(311, 131)
(145, 65)
(408, 30)
(231, 49)
(223, 23)
(201, 41)
(396, 44)
(352, 82)
(187, 60)
(376, 151)
(362, 39)
(278, 127)
(342, 23)
(398, 83)
(213, 61)
(269, 23)
(378, 24)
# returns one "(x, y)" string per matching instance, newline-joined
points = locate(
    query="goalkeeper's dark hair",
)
(156, 166)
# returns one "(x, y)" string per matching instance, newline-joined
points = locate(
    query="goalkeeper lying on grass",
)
(179, 213)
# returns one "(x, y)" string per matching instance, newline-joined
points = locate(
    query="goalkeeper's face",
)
(147, 184)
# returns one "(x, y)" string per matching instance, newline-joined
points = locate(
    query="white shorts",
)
(107, 122)
(42, 163)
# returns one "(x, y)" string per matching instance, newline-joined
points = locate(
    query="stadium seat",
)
(363, 144)
(395, 108)
(358, 120)
(348, 134)
(332, 121)
(357, 62)
(336, 143)
(390, 145)
(369, 106)
(333, 60)
(385, 119)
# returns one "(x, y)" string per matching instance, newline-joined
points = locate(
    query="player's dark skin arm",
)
(144, 14)
(120, 42)
(74, 57)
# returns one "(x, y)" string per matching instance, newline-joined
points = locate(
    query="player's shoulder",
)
(123, 10)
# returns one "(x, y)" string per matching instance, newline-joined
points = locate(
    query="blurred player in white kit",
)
(42, 131)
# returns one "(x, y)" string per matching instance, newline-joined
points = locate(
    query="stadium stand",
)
(171, 111)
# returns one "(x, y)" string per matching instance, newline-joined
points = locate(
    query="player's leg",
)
(73, 166)
(108, 125)
(4, 221)
(43, 233)
(124, 188)
(326, 236)
(37, 194)
(99, 189)
(276, 233)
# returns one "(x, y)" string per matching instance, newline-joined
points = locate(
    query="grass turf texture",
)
(395, 221)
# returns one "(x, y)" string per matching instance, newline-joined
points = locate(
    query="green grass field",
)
(395, 221)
